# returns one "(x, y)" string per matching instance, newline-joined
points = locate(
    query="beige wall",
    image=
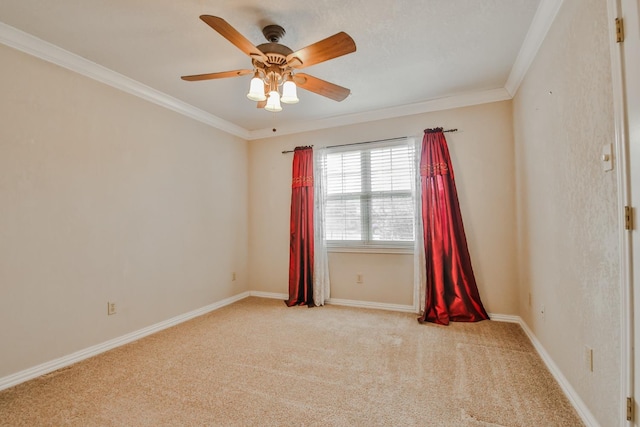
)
(567, 220)
(106, 197)
(483, 156)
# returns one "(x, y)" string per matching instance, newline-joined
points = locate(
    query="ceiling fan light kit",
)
(289, 91)
(256, 89)
(274, 65)
(273, 102)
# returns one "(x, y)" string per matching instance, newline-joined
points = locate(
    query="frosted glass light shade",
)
(273, 102)
(289, 93)
(256, 90)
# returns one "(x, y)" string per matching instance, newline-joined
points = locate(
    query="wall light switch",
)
(607, 158)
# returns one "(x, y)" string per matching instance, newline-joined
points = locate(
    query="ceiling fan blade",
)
(329, 48)
(321, 87)
(210, 76)
(231, 34)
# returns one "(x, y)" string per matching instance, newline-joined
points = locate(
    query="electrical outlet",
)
(529, 299)
(233, 276)
(542, 311)
(111, 308)
(588, 358)
(359, 278)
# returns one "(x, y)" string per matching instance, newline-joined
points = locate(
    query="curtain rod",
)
(367, 142)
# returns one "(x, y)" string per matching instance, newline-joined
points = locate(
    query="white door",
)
(631, 66)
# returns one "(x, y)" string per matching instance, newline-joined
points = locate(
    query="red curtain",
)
(301, 243)
(451, 292)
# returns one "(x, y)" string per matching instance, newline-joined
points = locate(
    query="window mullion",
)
(366, 195)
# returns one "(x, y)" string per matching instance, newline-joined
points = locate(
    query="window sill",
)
(371, 249)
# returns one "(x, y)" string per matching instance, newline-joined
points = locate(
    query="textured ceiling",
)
(408, 51)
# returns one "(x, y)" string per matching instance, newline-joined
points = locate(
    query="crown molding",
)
(439, 104)
(46, 51)
(540, 25)
(542, 21)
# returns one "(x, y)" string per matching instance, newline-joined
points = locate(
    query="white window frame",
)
(367, 244)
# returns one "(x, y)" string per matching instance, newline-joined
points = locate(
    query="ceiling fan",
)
(274, 65)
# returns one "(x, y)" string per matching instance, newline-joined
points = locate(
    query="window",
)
(369, 195)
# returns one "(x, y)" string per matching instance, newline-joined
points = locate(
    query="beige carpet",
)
(258, 363)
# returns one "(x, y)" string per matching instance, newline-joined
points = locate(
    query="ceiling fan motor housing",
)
(276, 52)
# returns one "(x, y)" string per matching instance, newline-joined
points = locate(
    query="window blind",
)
(369, 194)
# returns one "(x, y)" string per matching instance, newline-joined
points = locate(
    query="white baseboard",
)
(569, 391)
(586, 415)
(61, 362)
(343, 302)
(271, 295)
(45, 368)
(370, 304)
(507, 318)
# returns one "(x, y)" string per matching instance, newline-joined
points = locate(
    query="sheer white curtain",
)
(321, 284)
(419, 259)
